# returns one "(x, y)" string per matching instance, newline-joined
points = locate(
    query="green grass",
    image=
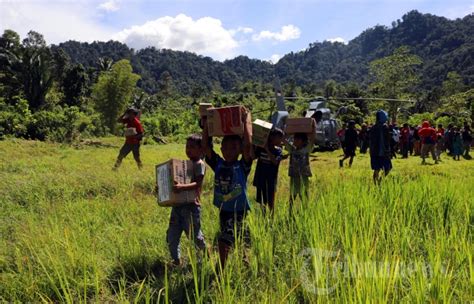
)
(71, 230)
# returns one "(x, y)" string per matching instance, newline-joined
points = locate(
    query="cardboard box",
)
(261, 130)
(300, 125)
(130, 132)
(203, 108)
(225, 121)
(167, 173)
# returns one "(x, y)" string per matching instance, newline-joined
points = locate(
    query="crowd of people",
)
(237, 153)
(423, 140)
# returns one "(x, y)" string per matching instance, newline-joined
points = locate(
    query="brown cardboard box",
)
(225, 121)
(261, 130)
(130, 132)
(167, 173)
(203, 108)
(299, 125)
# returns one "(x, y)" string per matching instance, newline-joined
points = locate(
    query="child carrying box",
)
(230, 182)
(187, 217)
(299, 169)
(266, 173)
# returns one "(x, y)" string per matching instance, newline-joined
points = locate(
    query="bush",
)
(63, 124)
(14, 119)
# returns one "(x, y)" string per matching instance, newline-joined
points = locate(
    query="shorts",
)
(232, 226)
(380, 162)
(350, 151)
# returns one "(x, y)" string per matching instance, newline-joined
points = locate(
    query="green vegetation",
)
(73, 90)
(113, 92)
(71, 230)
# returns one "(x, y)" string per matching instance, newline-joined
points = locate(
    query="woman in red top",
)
(133, 136)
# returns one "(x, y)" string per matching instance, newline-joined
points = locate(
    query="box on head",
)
(203, 107)
(225, 121)
(260, 132)
(174, 170)
(300, 125)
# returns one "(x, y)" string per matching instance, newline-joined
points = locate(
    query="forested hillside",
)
(444, 45)
(71, 90)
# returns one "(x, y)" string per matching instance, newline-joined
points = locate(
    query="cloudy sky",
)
(221, 29)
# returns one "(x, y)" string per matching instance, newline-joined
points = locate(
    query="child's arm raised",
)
(312, 135)
(206, 147)
(247, 145)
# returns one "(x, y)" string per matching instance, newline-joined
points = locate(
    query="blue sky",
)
(220, 29)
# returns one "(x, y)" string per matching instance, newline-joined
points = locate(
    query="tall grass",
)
(73, 231)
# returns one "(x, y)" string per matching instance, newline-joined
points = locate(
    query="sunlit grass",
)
(72, 230)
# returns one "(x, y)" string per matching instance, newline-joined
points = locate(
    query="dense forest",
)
(71, 90)
(444, 46)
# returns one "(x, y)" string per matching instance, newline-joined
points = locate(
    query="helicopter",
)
(326, 120)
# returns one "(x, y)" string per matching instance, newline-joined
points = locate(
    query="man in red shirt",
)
(133, 136)
(428, 141)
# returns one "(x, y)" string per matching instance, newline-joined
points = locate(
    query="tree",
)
(105, 64)
(113, 92)
(166, 84)
(30, 65)
(453, 84)
(36, 69)
(75, 85)
(395, 76)
(10, 48)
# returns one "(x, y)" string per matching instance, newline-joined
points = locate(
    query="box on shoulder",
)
(260, 132)
(167, 173)
(300, 125)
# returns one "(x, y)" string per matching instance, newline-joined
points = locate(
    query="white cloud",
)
(58, 21)
(337, 39)
(287, 32)
(241, 30)
(275, 58)
(109, 6)
(245, 30)
(204, 36)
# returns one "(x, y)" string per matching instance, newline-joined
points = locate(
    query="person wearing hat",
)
(351, 139)
(380, 146)
(133, 136)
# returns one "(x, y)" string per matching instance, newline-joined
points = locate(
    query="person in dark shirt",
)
(405, 140)
(230, 184)
(266, 173)
(467, 139)
(133, 136)
(380, 153)
(351, 139)
(364, 138)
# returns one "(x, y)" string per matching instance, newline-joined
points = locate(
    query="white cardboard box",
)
(167, 173)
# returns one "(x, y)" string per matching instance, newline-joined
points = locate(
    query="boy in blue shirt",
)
(230, 183)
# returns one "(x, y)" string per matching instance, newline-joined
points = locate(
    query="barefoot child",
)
(230, 183)
(187, 217)
(266, 173)
(299, 169)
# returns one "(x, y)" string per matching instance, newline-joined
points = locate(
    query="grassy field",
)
(72, 230)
